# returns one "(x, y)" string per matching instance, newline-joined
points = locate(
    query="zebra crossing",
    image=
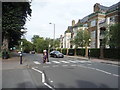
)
(65, 62)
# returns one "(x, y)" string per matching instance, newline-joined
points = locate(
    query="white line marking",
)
(64, 65)
(43, 78)
(73, 61)
(102, 71)
(116, 75)
(48, 62)
(56, 62)
(49, 86)
(64, 61)
(36, 62)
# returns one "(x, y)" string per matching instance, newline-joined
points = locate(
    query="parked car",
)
(56, 54)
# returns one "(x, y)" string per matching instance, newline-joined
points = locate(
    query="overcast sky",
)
(59, 12)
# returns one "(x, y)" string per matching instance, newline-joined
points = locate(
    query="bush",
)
(64, 51)
(94, 52)
(112, 53)
(71, 52)
(80, 52)
(59, 49)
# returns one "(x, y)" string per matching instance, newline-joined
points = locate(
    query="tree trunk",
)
(101, 52)
(75, 52)
(86, 51)
(5, 44)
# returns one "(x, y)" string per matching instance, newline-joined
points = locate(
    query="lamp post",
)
(89, 50)
(53, 35)
(21, 49)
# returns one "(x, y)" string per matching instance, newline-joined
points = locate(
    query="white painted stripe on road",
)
(56, 62)
(36, 62)
(48, 86)
(43, 78)
(73, 61)
(103, 71)
(116, 75)
(64, 61)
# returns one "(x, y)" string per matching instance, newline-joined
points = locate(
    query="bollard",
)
(20, 58)
(89, 54)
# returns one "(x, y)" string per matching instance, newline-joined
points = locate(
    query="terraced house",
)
(96, 22)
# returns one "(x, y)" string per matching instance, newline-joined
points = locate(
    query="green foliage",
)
(27, 46)
(112, 53)
(94, 52)
(80, 52)
(71, 51)
(115, 37)
(64, 51)
(59, 49)
(81, 39)
(14, 16)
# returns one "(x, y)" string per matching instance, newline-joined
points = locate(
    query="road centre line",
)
(43, 78)
(98, 70)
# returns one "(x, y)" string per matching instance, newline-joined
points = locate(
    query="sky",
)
(58, 12)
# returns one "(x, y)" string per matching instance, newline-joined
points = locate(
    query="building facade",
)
(96, 22)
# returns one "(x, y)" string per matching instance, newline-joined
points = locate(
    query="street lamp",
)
(53, 35)
(23, 31)
(89, 50)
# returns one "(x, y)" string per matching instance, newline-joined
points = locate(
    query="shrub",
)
(112, 53)
(64, 51)
(71, 52)
(94, 52)
(80, 52)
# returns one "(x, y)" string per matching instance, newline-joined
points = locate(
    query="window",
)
(93, 23)
(93, 34)
(85, 25)
(112, 19)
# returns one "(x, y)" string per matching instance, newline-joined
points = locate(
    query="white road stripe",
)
(43, 78)
(73, 61)
(64, 61)
(116, 75)
(56, 62)
(36, 62)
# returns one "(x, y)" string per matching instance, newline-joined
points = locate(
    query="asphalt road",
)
(62, 73)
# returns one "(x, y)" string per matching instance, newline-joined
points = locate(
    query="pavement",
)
(107, 61)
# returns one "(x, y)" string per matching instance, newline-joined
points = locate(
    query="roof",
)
(103, 7)
(114, 7)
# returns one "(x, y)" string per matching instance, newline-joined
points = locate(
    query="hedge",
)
(80, 52)
(94, 52)
(71, 52)
(64, 51)
(112, 53)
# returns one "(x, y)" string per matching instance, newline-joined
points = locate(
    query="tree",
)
(82, 39)
(115, 37)
(14, 15)
(27, 46)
